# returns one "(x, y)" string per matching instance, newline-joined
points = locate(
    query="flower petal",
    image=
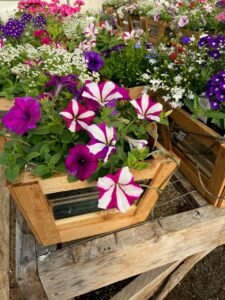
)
(125, 176)
(97, 133)
(86, 114)
(66, 115)
(132, 190)
(96, 148)
(75, 107)
(155, 108)
(107, 89)
(122, 201)
(105, 200)
(105, 183)
(144, 102)
(72, 127)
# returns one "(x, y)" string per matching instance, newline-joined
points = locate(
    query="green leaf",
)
(41, 170)
(55, 159)
(131, 161)
(71, 178)
(11, 172)
(32, 155)
(41, 130)
(3, 159)
(141, 165)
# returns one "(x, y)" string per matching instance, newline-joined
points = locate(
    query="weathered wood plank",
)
(34, 207)
(126, 253)
(143, 287)
(26, 266)
(180, 273)
(4, 238)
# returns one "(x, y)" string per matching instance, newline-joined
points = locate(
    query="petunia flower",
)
(87, 45)
(103, 140)
(118, 190)
(183, 21)
(91, 30)
(80, 162)
(94, 61)
(77, 116)
(23, 116)
(147, 109)
(134, 143)
(102, 94)
(60, 82)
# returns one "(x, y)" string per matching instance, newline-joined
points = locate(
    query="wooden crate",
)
(125, 23)
(157, 30)
(30, 194)
(187, 138)
(139, 22)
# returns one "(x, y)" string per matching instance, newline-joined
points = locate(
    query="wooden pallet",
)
(154, 249)
(30, 193)
(206, 172)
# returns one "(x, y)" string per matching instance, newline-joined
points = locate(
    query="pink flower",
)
(46, 40)
(77, 116)
(98, 95)
(134, 34)
(118, 190)
(103, 140)
(87, 45)
(91, 30)
(147, 109)
(183, 21)
(40, 33)
(221, 17)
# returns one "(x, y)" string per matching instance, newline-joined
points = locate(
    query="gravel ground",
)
(206, 281)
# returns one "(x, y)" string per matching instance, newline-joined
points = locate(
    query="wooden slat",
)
(216, 184)
(4, 238)
(136, 92)
(34, 207)
(180, 273)
(184, 120)
(5, 104)
(160, 180)
(131, 252)
(144, 286)
(59, 183)
(94, 223)
(26, 266)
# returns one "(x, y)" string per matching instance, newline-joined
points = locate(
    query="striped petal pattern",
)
(118, 190)
(103, 141)
(91, 30)
(98, 95)
(77, 116)
(147, 109)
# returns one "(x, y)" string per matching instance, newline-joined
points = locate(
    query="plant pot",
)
(125, 23)
(38, 202)
(139, 22)
(157, 30)
(202, 154)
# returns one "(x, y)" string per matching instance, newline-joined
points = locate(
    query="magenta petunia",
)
(80, 162)
(147, 109)
(23, 116)
(77, 116)
(102, 94)
(118, 190)
(103, 140)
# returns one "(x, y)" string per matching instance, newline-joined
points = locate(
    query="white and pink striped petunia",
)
(103, 140)
(77, 116)
(118, 190)
(91, 30)
(134, 143)
(134, 34)
(147, 109)
(98, 95)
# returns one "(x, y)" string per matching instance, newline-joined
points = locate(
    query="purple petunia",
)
(26, 18)
(103, 140)
(23, 116)
(94, 61)
(80, 162)
(215, 90)
(147, 109)
(68, 82)
(215, 54)
(118, 190)
(13, 28)
(183, 21)
(185, 40)
(77, 116)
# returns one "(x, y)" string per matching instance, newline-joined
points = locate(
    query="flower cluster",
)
(215, 45)
(87, 136)
(215, 90)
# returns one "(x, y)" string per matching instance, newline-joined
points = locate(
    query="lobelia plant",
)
(98, 135)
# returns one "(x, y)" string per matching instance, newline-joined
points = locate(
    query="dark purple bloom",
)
(39, 21)
(80, 162)
(23, 116)
(26, 18)
(203, 41)
(94, 61)
(68, 82)
(214, 105)
(215, 54)
(13, 28)
(185, 40)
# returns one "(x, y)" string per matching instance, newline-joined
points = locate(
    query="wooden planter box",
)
(139, 22)
(157, 30)
(125, 23)
(202, 158)
(5, 104)
(34, 198)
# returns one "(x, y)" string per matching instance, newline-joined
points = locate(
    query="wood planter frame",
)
(30, 193)
(139, 22)
(156, 30)
(211, 184)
